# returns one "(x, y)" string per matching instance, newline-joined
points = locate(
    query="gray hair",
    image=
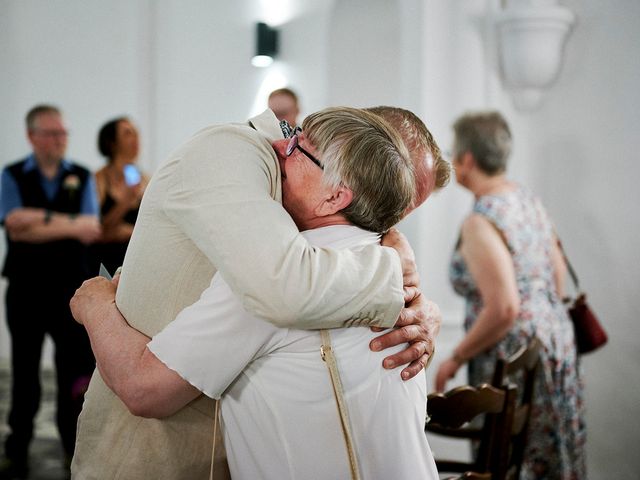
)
(361, 151)
(487, 137)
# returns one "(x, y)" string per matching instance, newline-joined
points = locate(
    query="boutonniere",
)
(71, 184)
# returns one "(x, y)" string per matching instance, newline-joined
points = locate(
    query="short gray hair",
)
(487, 137)
(361, 151)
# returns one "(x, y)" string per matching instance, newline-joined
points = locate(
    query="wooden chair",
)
(449, 414)
(471, 476)
(521, 368)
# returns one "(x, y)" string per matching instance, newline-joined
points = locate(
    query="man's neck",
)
(48, 166)
(319, 222)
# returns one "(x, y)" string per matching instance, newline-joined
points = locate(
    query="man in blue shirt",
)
(49, 209)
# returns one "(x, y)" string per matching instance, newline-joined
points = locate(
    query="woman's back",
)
(528, 234)
(557, 434)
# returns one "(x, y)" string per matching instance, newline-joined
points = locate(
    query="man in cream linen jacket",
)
(278, 409)
(215, 206)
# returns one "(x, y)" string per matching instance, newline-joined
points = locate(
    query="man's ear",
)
(336, 200)
(467, 160)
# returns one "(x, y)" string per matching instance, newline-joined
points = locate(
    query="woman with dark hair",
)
(120, 186)
(509, 268)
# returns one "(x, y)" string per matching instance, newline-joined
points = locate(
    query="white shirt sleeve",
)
(211, 341)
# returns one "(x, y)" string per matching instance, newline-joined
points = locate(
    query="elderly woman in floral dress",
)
(508, 266)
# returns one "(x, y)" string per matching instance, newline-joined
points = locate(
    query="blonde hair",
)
(361, 151)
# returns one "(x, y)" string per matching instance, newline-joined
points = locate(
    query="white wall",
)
(587, 172)
(578, 152)
(176, 66)
(87, 57)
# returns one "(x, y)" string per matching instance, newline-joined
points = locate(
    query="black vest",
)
(60, 261)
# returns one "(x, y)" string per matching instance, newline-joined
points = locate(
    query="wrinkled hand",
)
(93, 296)
(446, 371)
(418, 325)
(396, 240)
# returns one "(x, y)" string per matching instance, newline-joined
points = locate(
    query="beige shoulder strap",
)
(215, 433)
(329, 358)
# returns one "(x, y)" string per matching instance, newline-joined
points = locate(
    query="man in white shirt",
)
(280, 416)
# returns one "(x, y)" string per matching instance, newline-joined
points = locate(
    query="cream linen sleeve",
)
(222, 197)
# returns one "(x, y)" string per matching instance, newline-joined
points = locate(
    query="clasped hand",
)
(93, 296)
(419, 320)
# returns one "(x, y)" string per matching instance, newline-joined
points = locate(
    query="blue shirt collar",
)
(32, 164)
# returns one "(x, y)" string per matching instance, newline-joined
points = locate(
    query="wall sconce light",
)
(531, 38)
(266, 45)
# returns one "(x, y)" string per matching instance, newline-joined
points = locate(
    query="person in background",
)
(508, 266)
(49, 209)
(120, 188)
(283, 102)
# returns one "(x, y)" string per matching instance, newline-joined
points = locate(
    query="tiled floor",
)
(46, 452)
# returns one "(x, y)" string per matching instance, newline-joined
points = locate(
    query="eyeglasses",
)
(51, 133)
(293, 144)
(287, 131)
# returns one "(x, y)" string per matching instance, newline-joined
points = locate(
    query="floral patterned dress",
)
(556, 442)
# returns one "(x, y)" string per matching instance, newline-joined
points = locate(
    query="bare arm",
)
(115, 229)
(491, 267)
(28, 225)
(113, 220)
(559, 267)
(145, 385)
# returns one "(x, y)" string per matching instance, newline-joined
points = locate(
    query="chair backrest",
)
(471, 476)
(521, 368)
(450, 413)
